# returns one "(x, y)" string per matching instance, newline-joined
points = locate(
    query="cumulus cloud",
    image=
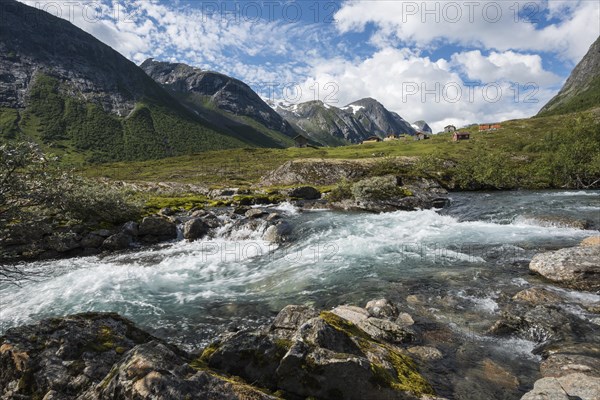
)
(499, 25)
(420, 88)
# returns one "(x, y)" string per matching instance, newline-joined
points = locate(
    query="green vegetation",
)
(584, 100)
(545, 152)
(35, 188)
(83, 132)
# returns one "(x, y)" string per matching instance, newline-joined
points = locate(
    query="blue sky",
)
(442, 61)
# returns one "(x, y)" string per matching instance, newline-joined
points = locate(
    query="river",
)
(455, 264)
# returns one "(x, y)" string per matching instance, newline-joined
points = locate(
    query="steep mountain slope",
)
(65, 89)
(422, 126)
(333, 126)
(207, 91)
(582, 89)
(324, 124)
(377, 120)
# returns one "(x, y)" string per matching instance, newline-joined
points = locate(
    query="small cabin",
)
(489, 127)
(449, 129)
(390, 137)
(421, 136)
(461, 136)
(372, 139)
(301, 141)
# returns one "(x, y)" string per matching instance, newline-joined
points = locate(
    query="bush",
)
(342, 191)
(377, 188)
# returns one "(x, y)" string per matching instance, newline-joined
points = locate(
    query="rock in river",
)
(576, 267)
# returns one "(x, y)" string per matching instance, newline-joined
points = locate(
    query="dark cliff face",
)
(582, 89)
(33, 42)
(198, 88)
(377, 120)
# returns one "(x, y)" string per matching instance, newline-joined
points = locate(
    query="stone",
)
(426, 353)
(131, 228)
(291, 317)
(591, 241)
(305, 193)
(565, 359)
(537, 295)
(382, 308)
(405, 319)
(241, 210)
(576, 267)
(255, 213)
(538, 323)
(63, 242)
(278, 233)
(499, 375)
(167, 212)
(102, 232)
(273, 217)
(195, 229)
(118, 241)
(92, 241)
(579, 386)
(159, 227)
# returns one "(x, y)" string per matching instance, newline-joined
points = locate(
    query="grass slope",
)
(584, 100)
(517, 145)
(83, 132)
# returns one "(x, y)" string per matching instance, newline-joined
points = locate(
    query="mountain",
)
(582, 89)
(206, 91)
(324, 124)
(422, 126)
(377, 120)
(333, 126)
(84, 101)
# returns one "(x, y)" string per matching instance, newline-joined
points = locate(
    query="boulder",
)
(92, 241)
(255, 213)
(382, 308)
(118, 241)
(159, 227)
(306, 354)
(102, 356)
(573, 386)
(563, 359)
(131, 228)
(537, 295)
(278, 233)
(195, 229)
(63, 242)
(305, 193)
(576, 267)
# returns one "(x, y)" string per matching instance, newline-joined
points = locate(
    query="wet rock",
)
(63, 242)
(279, 232)
(377, 328)
(321, 356)
(118, 241)
(167, 212)
(591, 241)
(405, 319)
(573, 386)
(130, 228)
(382, 308)
(290, 318)
(102, 232)
(92, 241)
(537, 295)
(426, 353)
(255, 213)
(98, 356)
(241, 210)
(158, 227)
(195, 229)
(576, 267)
(558, 221)
(564, 359)
(273, 217)
(540, 323)
(305, 193)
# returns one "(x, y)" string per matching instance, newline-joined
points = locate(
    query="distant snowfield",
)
(354, 108)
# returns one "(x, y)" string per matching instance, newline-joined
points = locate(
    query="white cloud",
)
(484, 24)
(419, 88)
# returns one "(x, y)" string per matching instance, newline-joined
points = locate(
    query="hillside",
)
(85, 101)
(377, 120)
(527, 153)
(227, 102)
(582, 89)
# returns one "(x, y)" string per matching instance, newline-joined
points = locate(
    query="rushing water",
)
(455, 264)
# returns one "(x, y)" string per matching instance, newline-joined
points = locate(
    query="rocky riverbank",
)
(50, 240)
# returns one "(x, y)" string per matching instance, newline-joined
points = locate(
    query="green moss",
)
(201, 362)
(344, 325)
